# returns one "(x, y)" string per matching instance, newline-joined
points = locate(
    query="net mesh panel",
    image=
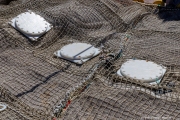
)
(34, 81)
(162, 48)
(119, 103)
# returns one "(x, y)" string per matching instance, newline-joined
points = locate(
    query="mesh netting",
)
(37, 85)
(118, 103)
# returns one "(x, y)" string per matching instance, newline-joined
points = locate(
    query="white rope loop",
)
(2, 107)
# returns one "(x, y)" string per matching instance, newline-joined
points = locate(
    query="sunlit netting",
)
(37, 85)
(162, 48)
(108, 103)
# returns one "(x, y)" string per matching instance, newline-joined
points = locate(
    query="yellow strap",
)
(178, 6)
(158, 2)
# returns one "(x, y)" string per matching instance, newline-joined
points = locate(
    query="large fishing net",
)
(37, 85)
